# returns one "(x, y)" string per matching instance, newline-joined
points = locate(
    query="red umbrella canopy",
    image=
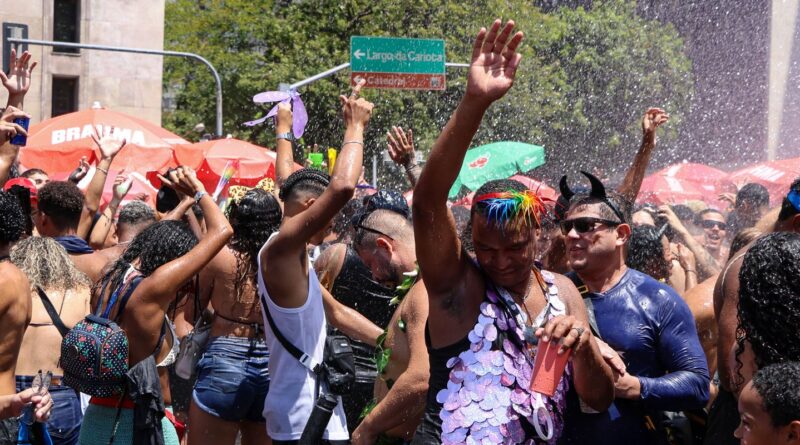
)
(57, 145)
(210, 158)
(776, 176)
(693, 172)
(543, 190)
(658, 189)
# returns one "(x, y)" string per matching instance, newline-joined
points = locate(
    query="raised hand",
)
(8, 129)
(494, 62)
(184, 181)
(80, 171)
(356, 111)
(109, 146)
(122, 185)
(652, 119)
(283, 121)
(401, 146)
(18, 80)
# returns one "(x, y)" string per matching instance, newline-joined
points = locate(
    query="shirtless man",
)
(58, 216)
(715, 229)
(15, 314)
(723, 416)
(385, 242)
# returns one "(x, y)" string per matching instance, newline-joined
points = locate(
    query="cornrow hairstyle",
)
(12, 219)
(254, 218)
(769, 300)
(305, 180)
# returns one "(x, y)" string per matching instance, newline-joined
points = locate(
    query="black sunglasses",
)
(709, 224)
(584, 225)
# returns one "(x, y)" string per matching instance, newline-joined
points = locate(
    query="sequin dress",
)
(487, 399)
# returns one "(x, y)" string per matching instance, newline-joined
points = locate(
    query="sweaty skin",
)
(218, 284)
(701, 302)
(41, 345)
(400, 409)
(15, 311)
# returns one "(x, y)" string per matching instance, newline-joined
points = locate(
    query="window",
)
(66, 24)
(17, 31)
(65, 95)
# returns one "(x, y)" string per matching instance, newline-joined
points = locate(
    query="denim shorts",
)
(65, 420)
(232, 379)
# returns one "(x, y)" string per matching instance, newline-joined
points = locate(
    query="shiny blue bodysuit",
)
(654, 332)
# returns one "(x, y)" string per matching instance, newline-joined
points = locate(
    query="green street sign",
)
(392, 62)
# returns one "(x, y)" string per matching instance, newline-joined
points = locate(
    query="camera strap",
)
(587, 300)
(301, 356)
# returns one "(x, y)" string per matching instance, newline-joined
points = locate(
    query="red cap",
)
(23, 182)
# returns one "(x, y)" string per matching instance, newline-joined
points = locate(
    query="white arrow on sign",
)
(359, 54)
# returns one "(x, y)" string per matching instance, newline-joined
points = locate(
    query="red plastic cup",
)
(548, 368)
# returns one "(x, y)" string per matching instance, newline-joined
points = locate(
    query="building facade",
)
(68, 79)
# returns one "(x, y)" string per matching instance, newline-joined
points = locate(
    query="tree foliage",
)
(586, 76)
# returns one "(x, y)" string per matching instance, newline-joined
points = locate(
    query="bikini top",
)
(176, 345)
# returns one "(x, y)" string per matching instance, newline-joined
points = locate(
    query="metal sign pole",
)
(155, 52)
(336, 69)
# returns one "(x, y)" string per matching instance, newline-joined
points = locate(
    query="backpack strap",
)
(126, 290)
(302, 357)
(587, 301)
(51, 311)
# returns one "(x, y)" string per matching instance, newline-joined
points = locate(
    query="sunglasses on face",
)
(585, 225)
(709, 224)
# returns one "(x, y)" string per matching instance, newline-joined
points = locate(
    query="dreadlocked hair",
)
(155, 246)
(47, 264)
(12, 219)
(769, 290)
(506, 202)
(254, 218)
(308, 180)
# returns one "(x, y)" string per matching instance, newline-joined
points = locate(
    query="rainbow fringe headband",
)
(512, 208)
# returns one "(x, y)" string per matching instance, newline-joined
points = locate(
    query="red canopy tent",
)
(659, 189)
(209, 159)
(776, 176)
(57, 145)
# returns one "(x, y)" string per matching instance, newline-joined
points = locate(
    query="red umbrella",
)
(210, 158)
(57, 145)
(659, 189)
(693, 172)
(776, 176)
(543, 190)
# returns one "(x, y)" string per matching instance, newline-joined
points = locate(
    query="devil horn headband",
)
(598, 191)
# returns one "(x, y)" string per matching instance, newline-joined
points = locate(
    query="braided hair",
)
(769, 290)
(155, 246)
(309, 180)
(254, 218)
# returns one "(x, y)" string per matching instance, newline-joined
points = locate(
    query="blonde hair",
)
(47, 264)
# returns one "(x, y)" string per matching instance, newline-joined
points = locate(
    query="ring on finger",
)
(578, 330)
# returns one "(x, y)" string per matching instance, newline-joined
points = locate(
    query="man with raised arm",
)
(289, 286)
(486, 317)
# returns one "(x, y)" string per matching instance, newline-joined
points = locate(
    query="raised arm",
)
(296, 231)
(18, 80)
(491, 75)
(284, 157)
(401, 150)
(165, 282)
(100, 231)
(8, 129)
(706, 264)
(633, 179)
(109, 147)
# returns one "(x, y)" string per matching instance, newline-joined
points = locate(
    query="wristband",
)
(287, 136)
(412, 167)
(691, 270)
(353, 142)
(103, 170)
(198, 196)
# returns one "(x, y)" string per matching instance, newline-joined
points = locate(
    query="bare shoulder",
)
(15, 295)
(415, 303)
(569, 294)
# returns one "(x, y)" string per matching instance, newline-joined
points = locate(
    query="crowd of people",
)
(317, 310)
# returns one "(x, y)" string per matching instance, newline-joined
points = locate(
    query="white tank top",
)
(292, 394)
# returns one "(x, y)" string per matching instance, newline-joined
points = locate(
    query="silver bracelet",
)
(412, 167)
(353, 142)
(198, 196)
